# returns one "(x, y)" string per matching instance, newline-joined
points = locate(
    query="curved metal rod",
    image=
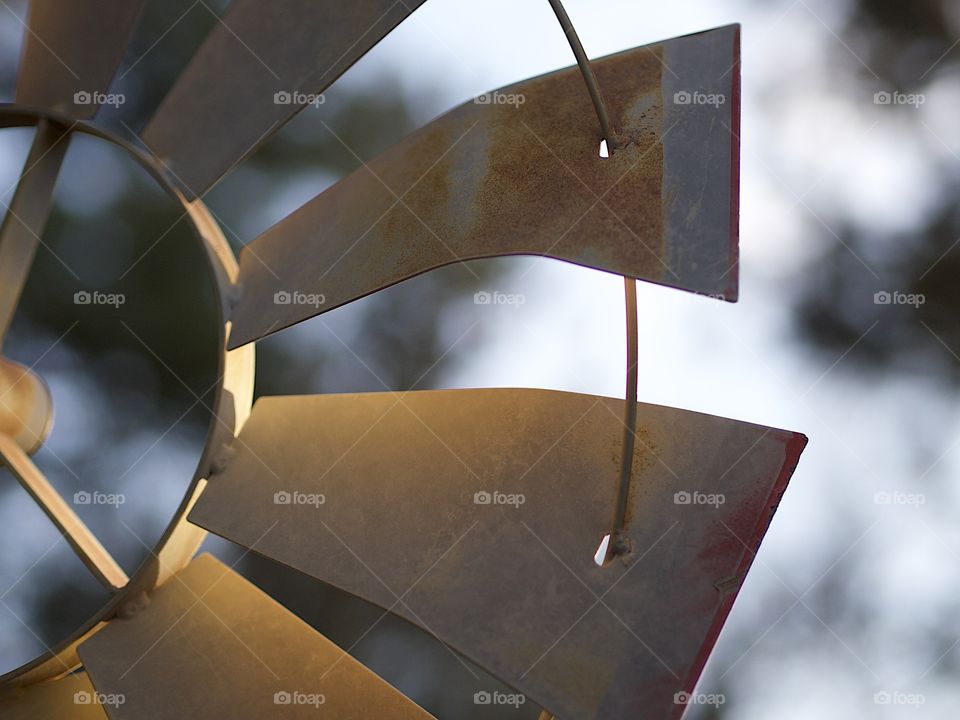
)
(618, 543)
(588, 77)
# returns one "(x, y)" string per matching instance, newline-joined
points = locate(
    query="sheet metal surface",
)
(69, 698)
(209, 645)
(476, 514)
(257, 68)
(518, 172)
(72, 50)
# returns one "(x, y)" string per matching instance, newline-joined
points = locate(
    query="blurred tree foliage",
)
(909, 46)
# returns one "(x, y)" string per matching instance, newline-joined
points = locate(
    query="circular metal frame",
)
(231, 407)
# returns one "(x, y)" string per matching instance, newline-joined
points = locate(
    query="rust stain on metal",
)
(561, 147)
(646, 454)
(516, 172)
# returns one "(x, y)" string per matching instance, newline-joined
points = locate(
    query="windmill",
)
(585, 550)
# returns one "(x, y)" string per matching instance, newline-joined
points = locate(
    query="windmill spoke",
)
(83, 542)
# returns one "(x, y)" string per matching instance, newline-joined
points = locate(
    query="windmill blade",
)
(518, 172)
(26, 216)
(476, 515)
(254, 72)
(69, 698)
(72, 51)
(210, 645)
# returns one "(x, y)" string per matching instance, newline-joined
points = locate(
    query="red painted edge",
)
(733, 291)
(793, 448)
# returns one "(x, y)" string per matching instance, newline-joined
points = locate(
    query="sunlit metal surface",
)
(69, 698)
(72, 51)
(26, 407)
(519, 172)
(181, 539)
(475, 514)
(209, 645)
(255, 70)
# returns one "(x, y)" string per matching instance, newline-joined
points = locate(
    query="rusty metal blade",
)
(26, 216)
(254, 72)
(72, 50)
(209, 645)
(520, 173)
(69, 698)
(476, 515)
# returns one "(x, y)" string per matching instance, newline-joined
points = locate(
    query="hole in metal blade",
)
(600, 558)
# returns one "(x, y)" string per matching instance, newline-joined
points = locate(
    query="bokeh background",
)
(855, 590)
